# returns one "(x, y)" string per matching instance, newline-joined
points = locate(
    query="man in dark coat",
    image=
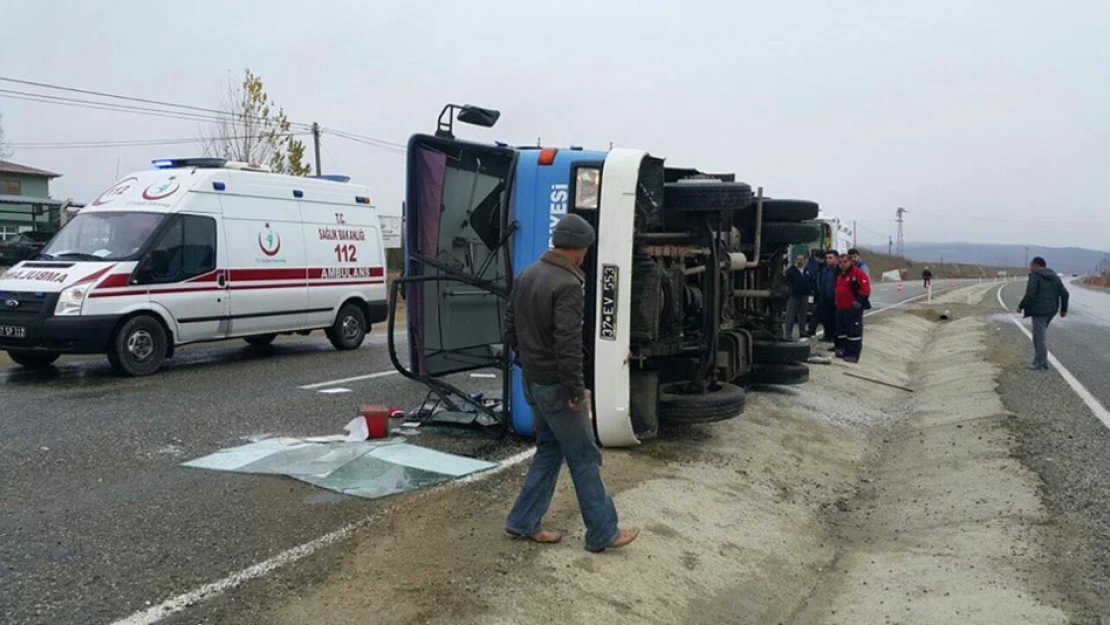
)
(828, 296)
(1045, 295)
(816, 268)
(544, 330)
(799, 282)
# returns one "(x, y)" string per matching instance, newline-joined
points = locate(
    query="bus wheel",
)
(349, 328)
(679, 404)
(139, 347)
(780, 374)
(786, 233)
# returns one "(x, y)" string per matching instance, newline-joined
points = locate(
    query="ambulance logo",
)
(114, 191)
(160, 190)
(269, 241)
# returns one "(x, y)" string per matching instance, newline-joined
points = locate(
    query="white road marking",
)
(172, 606)
(369, 376)
(334, 391)
(1092, 402)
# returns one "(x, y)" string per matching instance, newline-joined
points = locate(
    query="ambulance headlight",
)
(71, 300)
(587, 188)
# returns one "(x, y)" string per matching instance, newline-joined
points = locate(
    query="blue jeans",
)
(563, 433)
(1040, 344)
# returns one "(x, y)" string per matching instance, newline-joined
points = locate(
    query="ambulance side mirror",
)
(142, 270)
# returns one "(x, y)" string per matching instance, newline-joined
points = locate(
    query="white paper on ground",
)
(356, 430)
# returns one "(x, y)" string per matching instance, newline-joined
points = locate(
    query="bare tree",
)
(254, 130)
(5, 147)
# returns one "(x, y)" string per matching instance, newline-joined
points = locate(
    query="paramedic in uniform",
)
(544, 330)
(853, 292)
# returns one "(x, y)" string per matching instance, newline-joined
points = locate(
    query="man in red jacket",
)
(853, 293)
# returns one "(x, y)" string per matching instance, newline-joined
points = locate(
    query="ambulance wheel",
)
(779, 352)
(785, 233)
(260, 340)
(780, 374)
(678, 405)
(349, 328)
(693, 196)
(138, 347)
(33, 360)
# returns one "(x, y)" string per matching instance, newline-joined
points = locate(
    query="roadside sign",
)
(391, 231)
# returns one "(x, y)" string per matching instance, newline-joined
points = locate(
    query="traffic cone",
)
(899, 287)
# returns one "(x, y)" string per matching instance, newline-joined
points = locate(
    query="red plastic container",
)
(377, 420)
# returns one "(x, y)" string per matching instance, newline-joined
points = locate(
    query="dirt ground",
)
(841, 501)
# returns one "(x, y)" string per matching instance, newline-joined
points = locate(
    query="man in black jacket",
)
(798, 279)
(544, 330)
(1045, 295)
(816, 268)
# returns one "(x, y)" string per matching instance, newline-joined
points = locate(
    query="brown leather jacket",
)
(544, 323)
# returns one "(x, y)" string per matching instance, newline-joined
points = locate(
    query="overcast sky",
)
(961, 111)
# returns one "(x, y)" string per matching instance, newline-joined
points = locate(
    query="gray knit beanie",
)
(573, 232)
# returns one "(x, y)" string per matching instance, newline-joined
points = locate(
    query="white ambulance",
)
(199, 250)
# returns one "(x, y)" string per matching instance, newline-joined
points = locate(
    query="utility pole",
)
(854, 228)
(1026, 254)
(316, 141)
(901, 231)
(889, 245)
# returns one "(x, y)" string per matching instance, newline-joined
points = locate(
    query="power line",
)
(109, 143)
(201, 112)
(189, 112)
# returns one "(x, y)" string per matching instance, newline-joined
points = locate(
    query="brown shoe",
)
(623, 539)
(544, 537)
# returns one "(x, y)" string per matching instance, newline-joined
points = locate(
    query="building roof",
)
(37, 201)
(8, 167)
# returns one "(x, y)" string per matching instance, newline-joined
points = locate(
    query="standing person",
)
(828, 296)
(816, 266)
(927, 277)
(1045, 294)
(544, 329)
(796, 306)
(853, 292)
(858, 261)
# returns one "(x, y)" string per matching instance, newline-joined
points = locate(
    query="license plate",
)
(13, 332)
(610, 284)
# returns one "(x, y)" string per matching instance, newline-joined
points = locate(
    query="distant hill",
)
(1064, 259)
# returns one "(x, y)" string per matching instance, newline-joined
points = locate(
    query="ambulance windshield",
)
(103, 236)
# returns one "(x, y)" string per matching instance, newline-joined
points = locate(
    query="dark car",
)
(23, 247)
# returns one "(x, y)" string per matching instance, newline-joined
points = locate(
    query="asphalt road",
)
(1060, 437)
(98, 520)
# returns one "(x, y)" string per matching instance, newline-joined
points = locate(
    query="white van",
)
(198, 250)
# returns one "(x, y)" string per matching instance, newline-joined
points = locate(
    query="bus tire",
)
(349, 328)
(138, 347)
(788, 210)
(693, 196)
(783, 374)
(678, 406)
(779, 352)
(785, 233)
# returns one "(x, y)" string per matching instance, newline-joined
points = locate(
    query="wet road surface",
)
(1060, 436)
(98, 520)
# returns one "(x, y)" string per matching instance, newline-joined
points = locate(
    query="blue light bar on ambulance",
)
(179, 163)
(362, 199)
(332, 177)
